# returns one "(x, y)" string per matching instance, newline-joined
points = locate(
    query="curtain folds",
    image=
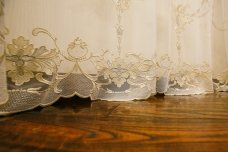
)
(3, 82)
(110, 50)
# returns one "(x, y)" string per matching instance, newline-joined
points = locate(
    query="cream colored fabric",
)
(113, 49)
(220, 44)
(3, 82)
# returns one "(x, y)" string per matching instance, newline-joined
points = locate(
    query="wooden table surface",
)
(160, 124)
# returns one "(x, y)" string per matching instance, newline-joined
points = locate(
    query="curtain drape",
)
(110, 50)
(3, 82)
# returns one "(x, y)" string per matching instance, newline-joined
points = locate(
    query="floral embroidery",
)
(128, 73)
(119, 71)
(185, 17)
(184, 75)
(187, 76)
(23, 60)
(126, 69)
(223, 77)
(122, 4)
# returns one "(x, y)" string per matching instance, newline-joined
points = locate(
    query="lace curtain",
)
(110, 50)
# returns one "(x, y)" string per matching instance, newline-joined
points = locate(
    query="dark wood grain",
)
(160, 124)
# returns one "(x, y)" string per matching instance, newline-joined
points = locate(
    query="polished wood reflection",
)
(159, 124)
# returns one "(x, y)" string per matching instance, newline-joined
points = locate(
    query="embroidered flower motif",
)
(122, 4)
(118, 72)
(223, 77)
(184, 15)
(130, 69)
(186, 76)
(183, 18)
(23, 60)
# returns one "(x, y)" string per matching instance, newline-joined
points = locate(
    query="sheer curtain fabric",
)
(110, 50)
